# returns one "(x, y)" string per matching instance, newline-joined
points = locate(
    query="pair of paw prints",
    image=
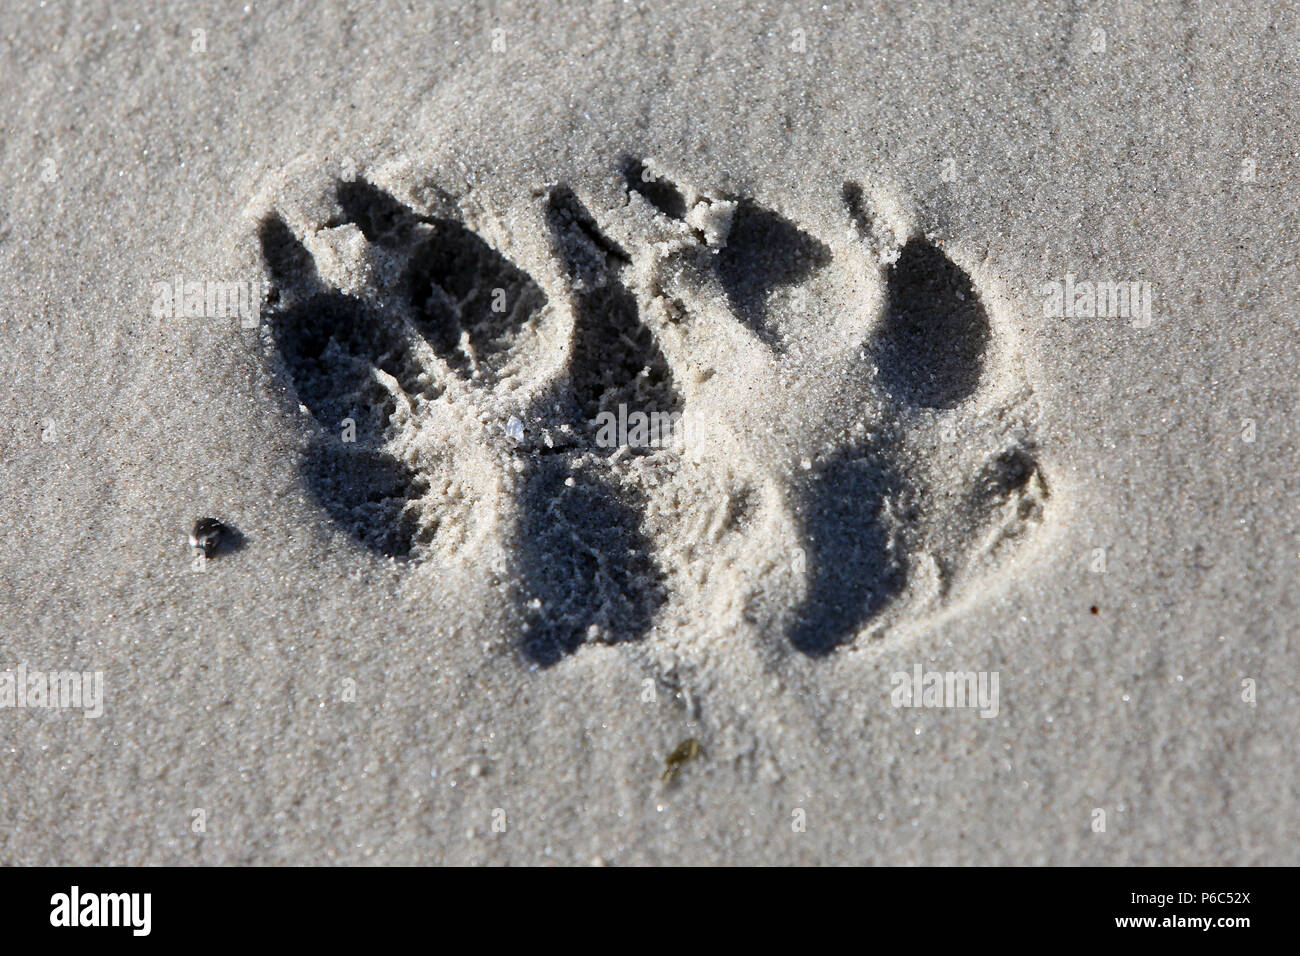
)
(855, 430)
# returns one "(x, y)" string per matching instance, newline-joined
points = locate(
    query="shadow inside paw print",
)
(330, 343)
(931, 350)
(853, 570)
(455, 283)
(615, 359)
(585, 564)
(367, 491)
(763, 251)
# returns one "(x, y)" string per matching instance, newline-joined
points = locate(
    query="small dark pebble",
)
(207, 535)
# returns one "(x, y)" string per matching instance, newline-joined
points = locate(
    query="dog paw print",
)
(852, 394)
(404, 311)
(420, 351)
(695, 379)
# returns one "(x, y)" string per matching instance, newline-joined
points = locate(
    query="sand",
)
(575, 385)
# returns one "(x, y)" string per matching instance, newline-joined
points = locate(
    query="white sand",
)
(856, 496)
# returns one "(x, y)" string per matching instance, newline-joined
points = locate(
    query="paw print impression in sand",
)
(686, 412)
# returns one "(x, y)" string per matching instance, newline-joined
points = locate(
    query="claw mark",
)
(586, 249)
(469, 301)
(381, 218)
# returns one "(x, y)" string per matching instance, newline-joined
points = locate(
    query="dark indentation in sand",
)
(585, 560)
(329, 344)
(587, 252)
(382, 219)
(466, 299)
(764, 251)
(287, 260)
(930, 349)
(615, 357)
(1010, 472)
(852, 573)
(659, 192)
(367, 491)
(458, 284)
(857, 207)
